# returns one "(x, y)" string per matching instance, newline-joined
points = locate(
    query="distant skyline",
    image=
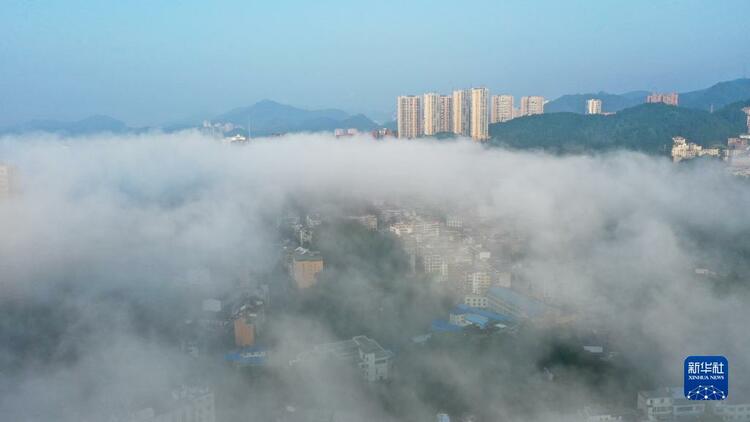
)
(150, 63)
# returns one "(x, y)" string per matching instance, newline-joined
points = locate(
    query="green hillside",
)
(648, 128)
(718, 95)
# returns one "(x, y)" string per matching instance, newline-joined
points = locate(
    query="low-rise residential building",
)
(668, 404)
(684, 150)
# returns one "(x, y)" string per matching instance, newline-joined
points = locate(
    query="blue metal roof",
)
(477, 319)
(492, 316)
(440, 325)
(248, 356)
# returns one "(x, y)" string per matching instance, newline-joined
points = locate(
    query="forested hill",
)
(648, 128)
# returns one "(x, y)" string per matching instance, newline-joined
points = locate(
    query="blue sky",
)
(150, 62)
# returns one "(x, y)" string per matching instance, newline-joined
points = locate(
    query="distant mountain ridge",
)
(264, 118)
(576, 103)
(87, 126)
(269, 117)
(717, 96)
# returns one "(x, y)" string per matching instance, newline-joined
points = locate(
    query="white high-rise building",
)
(532, 105)
(445, 113)
(593, 106)
(502, 108)
(431, 113)
(480, 114)
(409, 116)
(462, 112)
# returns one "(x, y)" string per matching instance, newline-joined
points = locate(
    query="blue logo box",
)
(706, 378)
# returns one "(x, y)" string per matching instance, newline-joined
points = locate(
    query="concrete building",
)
(532, 105)
(373, 361)
(427, 228)
(737, 152)
(480, 114)
(668, 404)
(431, 113)
(462, 112)
(684, 150)
(502, 108)
(593, 106)
(409, 115)
(671, 98)
(445, 114)
(435, 264)
(454, 221)
(478, 282)
(475, 301)
(247, 321)
(305, 266)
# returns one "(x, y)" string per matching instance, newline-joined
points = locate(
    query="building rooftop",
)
(307, 255)
(368, 345)
(462, 309)
(527, 305)
(664, 392)
(340, 349)
(442, 326)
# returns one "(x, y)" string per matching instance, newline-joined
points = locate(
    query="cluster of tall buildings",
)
(466, 112)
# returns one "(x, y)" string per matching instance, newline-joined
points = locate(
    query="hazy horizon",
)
(150, 64)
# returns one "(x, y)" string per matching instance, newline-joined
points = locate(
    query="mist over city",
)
(116, 243)
(360, 212)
